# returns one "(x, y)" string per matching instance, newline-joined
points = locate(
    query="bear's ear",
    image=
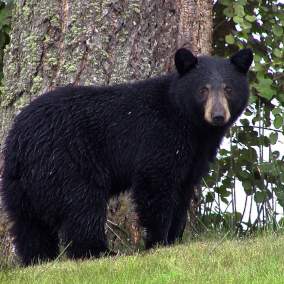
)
(242, 59)
(184, 60)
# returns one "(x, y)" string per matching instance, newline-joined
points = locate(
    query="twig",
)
(63, 251)
(117, 226)
(121, 240)
(219, 243)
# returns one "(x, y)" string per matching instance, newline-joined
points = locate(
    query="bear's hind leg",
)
(34, 241)
(182, 202)
(83, 230)
(178, 225)
(84, 237)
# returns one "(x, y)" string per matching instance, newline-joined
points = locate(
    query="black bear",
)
(73, 148)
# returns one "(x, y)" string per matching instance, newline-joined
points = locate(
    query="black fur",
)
(71, 149)
(184, 60)
(243, 59)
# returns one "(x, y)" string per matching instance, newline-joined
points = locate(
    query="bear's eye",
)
(228, 90)
(204, 92)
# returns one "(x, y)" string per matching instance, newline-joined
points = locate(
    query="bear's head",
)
(213, 90)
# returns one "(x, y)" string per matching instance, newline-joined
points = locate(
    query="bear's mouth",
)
(218, 120)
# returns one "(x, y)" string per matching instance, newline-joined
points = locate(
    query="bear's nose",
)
(218, 119)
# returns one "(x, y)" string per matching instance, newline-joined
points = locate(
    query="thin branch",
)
(219, 243)
(121, 240)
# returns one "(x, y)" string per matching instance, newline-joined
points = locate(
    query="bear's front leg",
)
(178, 223)
(154, 205)
(182, 202)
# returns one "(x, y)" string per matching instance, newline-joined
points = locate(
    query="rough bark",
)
(95, 42)
(195, 25)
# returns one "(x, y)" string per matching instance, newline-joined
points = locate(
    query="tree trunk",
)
(87, 42)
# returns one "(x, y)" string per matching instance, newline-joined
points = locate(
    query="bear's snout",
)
(216, 108)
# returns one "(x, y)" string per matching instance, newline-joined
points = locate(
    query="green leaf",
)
(250, 18)
(250, 154)
(222, 190)
(248, 112)
(226, 2)
(281, 97)
(225, 200)
(278, 121)
(210, 197)
(246, 25)
(263, 140)
(238, 20)
(273, 137)
(277, 30)
(258, 66)
(242, 2)
(265, 168)
(229, 39)
(245, 122)
(229, 12)
(277, 52)
(264, 87)
(248, 188)
(277, 110)
(245, 175)
(260, 196)
(239, 10)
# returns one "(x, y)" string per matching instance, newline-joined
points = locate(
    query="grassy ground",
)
(255, 260)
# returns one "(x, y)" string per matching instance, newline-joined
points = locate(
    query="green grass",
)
(254, 260)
